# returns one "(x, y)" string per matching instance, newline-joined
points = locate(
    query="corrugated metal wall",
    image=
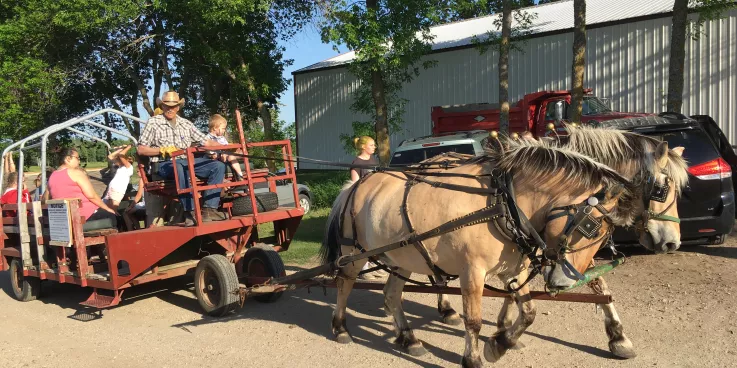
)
(626, 63)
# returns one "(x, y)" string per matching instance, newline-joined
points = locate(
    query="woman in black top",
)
(366, 148)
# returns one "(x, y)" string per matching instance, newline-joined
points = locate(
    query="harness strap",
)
(477, 217)
(455, 187)
(438, 280)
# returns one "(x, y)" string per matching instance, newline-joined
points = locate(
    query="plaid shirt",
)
(159, 133)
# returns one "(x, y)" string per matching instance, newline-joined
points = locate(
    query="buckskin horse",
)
(449, 223)
(659, 172)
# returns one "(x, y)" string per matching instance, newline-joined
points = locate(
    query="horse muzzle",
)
(660, 239)
(557, 277)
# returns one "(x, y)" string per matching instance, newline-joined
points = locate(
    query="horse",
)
(378, 208)
(660, 173)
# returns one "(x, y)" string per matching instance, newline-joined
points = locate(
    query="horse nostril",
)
(671, 246)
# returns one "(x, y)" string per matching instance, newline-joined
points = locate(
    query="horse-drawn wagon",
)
(51, 242)
(505, 214)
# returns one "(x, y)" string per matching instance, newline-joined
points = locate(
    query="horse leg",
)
(406, 339)
(472, 290)
(619, 344)
(447, 313)
(498, 344)
(345, 280)
(504, 320)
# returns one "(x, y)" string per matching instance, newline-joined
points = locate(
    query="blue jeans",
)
(204, 168)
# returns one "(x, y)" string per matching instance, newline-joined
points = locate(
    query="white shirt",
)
(121, 179)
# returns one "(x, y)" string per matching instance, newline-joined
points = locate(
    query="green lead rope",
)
(594, 272)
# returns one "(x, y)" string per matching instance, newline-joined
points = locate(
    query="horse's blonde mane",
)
(541, 161)
(629, 153)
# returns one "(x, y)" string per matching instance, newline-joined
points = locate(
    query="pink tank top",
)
(61, 186)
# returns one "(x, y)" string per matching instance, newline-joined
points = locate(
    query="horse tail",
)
(330, 250)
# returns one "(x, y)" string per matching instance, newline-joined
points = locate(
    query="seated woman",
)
(71, 181)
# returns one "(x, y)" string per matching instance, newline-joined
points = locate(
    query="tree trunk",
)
(579, 59)
(378, 94)
(677, 56)
(134, 109)
(504, 66)
(381, 126)
(263, 110)
(142, 90)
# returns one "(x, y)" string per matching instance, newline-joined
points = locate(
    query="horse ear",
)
(678, 151)
(661, 154)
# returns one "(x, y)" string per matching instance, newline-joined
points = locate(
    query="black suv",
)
(707, 206)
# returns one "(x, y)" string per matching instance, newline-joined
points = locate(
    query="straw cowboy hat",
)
(171, 99)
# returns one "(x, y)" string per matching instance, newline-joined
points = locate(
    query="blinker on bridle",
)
(578, 218)
(658, 192)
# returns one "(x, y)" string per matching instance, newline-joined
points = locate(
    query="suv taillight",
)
(710, 170)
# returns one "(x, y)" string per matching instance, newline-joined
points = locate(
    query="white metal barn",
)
(627, 61)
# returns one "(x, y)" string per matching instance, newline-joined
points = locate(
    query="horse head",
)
(571, 198)
(659, 172)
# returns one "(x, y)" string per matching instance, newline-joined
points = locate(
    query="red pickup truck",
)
(533, 113)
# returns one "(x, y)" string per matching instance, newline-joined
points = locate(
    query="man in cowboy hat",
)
(168, 132)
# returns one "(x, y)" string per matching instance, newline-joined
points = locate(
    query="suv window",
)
(414, 156)
(698, 146)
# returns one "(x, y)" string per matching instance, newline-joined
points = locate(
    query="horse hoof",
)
(416, 350)
(467, 363)
(492, 350)
(518, 346)
(622, 349)
(343, 338)
(452, 318)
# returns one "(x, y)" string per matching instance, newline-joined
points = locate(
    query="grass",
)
(307, 240)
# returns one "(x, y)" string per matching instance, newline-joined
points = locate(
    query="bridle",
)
(579, 218)
(654, 191)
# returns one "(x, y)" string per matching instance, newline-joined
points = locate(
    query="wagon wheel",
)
(24, 288)
(263, 261)
(216, 285)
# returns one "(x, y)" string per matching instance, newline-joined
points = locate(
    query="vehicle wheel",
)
(24, 288)
(266, 201)
(305, 202)
(719, 239)
(263, 261)
(215, 285)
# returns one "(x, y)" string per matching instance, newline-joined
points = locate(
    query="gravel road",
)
(678, 309)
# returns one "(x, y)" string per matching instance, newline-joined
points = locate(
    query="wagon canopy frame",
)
(66, 125)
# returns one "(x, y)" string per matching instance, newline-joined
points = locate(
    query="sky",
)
(305, 49)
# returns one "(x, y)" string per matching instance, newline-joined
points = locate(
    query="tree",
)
(579, 59)
(510, 10)
(390, 39)
(61, 58)
(707, 10)
(504, 66)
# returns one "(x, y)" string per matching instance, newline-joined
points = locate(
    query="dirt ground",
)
(678, 309)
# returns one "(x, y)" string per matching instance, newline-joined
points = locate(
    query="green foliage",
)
(62, 58)
(325, 185)
(521, 18)
(467, 9)
(254, 132)
(390, 37)
(360, 128)
(707, 10)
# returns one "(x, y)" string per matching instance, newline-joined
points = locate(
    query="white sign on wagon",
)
(60, 231)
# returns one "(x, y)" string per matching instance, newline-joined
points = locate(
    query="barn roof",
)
(553, 17)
